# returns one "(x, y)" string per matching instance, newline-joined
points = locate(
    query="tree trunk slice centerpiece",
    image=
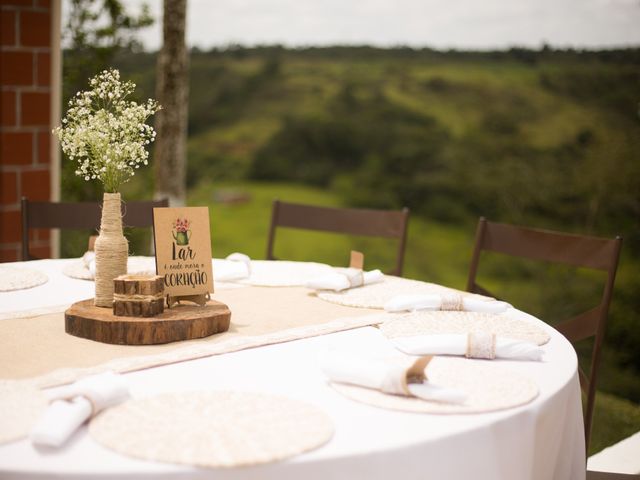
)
(183, 322)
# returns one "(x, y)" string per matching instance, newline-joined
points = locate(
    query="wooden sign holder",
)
(200, 299)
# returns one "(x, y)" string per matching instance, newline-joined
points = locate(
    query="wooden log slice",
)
(182, 322)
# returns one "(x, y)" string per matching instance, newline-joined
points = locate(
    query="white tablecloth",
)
(541, 440)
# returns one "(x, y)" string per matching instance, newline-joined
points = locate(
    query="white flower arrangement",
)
(106, 133)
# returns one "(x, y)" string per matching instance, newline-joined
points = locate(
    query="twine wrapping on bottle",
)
(111, 249)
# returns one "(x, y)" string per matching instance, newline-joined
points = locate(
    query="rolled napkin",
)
(453, 301)
(237, 267)
(345, 278)
(73, 404)
(89, 261)
(88, 257)
(471, 345)
(398, 377)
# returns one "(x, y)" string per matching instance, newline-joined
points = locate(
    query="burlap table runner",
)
(37, 348)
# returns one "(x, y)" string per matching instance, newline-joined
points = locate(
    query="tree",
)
(95, 32)
(170, 153)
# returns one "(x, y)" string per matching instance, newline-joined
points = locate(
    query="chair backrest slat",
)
(349, 221)
(140, 213)
(569, 249)
(378, 223)
(582, 326)
(549, 246)
(63, 215)
(80, 215)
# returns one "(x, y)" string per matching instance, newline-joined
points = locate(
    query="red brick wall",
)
(25, 130)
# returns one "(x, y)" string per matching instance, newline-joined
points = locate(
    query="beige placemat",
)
(14, 278)
(489, 387)
(376, 295)
(430, 323)
(135, 265)
(38, 347)
(21, 403)
(212, 429)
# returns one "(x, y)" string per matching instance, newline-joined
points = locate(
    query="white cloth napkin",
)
(389, 376)
(413, 302)
(457, 344)
(235, 267)
(73, 404)
(345, 278)
(89, 261)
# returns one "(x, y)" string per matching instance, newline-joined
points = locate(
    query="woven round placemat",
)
(428, 323)
(135, 266)
(21, 404)
(280, 273)
(14, 278)
(212, 429)
(488, 387)
(377, 295)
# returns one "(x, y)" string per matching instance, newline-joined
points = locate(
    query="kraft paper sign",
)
(183, 250)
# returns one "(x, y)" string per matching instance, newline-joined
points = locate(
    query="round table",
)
(541, 440)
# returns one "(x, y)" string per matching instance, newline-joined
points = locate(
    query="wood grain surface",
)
(182, 322)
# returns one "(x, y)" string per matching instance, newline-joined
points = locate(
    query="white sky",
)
(463, 24)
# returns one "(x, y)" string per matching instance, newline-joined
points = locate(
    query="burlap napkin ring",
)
(452, 301)
(481, 345)
(398, 377)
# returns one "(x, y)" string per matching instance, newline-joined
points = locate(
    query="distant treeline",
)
(543, 136)
(546, 52)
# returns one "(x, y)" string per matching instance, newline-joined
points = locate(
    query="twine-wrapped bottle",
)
(106, 134)
(111, 249)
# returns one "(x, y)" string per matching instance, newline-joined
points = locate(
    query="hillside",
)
(543, 138)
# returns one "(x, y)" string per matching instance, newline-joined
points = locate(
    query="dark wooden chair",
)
(575, 250)
(349, 221)
(80, 216)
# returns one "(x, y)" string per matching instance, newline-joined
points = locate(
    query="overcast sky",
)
(464, 24)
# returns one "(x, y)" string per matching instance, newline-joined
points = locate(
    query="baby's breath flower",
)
(105, 133)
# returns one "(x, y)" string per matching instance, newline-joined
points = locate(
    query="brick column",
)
(25, 125)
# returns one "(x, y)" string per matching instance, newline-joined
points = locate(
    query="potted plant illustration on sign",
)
(181, 231)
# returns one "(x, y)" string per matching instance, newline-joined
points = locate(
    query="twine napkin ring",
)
(398, 377)
(355, 277)
(124, 297)
(481, 345)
